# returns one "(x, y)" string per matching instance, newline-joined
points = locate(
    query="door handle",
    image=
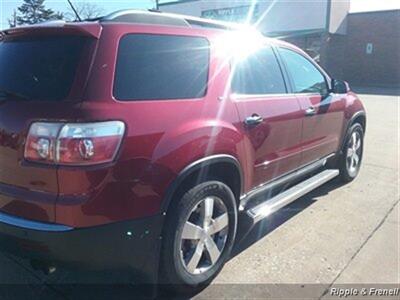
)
(311, 111)
(254, 120)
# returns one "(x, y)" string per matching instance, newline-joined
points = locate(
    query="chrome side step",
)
(245, 200)
(266, 208)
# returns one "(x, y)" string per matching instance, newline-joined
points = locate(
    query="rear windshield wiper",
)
(12, 94)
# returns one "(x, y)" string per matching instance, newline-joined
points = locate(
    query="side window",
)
(258, 74)
(151, 67)
(306, 77)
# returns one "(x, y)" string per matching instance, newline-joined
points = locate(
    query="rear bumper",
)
(131, 245)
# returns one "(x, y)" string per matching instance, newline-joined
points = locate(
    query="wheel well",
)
(225, 172)
(360, 119)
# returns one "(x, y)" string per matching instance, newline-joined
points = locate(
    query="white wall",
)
(187, 8)
(276, 16)
(294, 15)
(338, 20)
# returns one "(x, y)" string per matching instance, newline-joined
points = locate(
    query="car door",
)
(323, 112)
(271, 118)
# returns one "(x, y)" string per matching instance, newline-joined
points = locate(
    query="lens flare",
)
(239, 44)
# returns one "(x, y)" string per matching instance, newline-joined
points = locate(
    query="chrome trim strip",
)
(257, 96)
(287, 177)
(267, 162)
(33, 225)
(237, 97)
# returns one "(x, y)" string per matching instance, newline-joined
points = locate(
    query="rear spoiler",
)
(90, 29)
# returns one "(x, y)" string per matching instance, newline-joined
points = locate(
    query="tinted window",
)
(306, 77)
(39, 68)
(161, 67)
(258, 73)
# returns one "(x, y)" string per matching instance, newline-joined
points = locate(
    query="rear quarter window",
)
(40, 68)
(151, 67)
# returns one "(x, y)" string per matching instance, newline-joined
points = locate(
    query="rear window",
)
(151, 67)
(39, 68)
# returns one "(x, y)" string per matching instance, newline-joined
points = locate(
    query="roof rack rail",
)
(144, 17)
(193, 21)
(160, 18)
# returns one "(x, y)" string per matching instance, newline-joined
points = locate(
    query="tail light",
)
(74, 144)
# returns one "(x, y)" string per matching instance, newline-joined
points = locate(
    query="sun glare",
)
(239, 44)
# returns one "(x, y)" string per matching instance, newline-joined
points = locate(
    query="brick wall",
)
(382, 66)
(335, 55)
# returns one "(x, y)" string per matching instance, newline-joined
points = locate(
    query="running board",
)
(274, 204)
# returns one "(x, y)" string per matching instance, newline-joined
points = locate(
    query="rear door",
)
(271, 118)
(323, 112)
(37, 78)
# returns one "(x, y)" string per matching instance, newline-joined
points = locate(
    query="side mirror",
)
(340, 86)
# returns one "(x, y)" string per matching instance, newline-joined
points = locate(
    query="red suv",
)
(143, 139)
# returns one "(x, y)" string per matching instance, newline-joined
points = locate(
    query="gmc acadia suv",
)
(143, 139)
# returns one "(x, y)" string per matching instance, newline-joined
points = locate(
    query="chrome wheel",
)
(353, 154)
(204, 235)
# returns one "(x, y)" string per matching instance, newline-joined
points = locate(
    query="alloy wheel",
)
(204, 235)
(353, 153)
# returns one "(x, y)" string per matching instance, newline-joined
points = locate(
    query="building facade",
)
(372, 54)
(325, 29)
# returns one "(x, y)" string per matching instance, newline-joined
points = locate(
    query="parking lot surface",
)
(337, 234)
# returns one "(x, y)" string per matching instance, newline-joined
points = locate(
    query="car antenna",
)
(75, 12)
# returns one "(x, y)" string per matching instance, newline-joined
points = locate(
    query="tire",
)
(178, 257)
(350, 159)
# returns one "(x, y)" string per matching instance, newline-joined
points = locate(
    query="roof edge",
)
(374, 11)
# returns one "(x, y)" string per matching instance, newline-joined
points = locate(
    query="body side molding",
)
(33, 225)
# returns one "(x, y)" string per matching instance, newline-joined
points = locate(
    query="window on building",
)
(306, 77)
(153, 67)
(258, 74)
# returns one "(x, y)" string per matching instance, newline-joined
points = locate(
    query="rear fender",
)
(206, 143)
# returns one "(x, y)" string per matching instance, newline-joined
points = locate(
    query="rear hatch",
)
(42, 77)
